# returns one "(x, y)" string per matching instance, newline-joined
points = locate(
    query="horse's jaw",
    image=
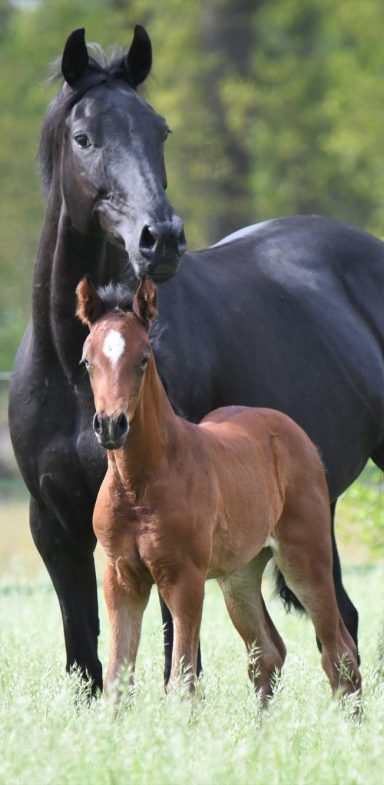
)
(160, 258)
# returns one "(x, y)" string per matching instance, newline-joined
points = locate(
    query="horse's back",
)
(289, 315)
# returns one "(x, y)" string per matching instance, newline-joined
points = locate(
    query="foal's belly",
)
(234, 546)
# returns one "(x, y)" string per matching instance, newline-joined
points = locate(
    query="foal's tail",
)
(288, 597)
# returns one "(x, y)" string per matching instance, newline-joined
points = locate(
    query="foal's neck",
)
(153, 435)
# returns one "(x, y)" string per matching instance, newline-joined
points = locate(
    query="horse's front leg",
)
(70, 563)
(126, 596)
(184, 597)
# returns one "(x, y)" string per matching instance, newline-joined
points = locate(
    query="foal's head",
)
(116, 353)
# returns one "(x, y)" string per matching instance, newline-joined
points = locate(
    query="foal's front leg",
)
(126, 597)
(184, 597)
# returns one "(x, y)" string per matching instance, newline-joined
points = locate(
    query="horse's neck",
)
(75, 255)
(154, 437)
(64, 257)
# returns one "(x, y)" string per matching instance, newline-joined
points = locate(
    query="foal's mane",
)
(116, 297)
(119, 298)
(112, 67)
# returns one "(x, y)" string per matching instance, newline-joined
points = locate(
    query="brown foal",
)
(181, 503)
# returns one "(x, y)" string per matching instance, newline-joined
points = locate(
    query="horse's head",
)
(116, 353)
(113, 171)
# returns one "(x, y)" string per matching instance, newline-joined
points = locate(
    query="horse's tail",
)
(288, 597)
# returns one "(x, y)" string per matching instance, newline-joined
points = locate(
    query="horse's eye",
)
(82, 140)
(144, 363)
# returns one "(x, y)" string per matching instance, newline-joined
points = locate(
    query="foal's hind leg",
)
(304, 556)
(246, 607)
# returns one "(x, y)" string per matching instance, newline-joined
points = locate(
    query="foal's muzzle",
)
(111, 431)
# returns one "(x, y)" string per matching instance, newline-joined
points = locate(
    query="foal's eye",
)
(144, 363)
(82, 140)
(85, 362)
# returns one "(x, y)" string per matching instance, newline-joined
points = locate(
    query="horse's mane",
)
(116, 297)
(99, 63)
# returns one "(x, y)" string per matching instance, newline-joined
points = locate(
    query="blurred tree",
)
(316, 144)
(229, 40)
(276, 108)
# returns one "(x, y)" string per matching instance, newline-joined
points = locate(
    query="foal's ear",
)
(89, 304)
(144, 304)
(138, 61)
(75, 60)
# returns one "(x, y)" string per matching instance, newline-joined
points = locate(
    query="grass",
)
(50, 736)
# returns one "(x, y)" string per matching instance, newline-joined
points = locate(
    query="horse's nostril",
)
(97, 424)
(162, 240)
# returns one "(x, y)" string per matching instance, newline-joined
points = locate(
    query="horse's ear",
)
(144, 304)
(89, 304)
(138, 61)
(75, 60)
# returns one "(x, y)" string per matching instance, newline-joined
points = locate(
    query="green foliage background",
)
(276, 108)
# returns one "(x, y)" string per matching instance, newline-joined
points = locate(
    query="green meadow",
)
(49, 735)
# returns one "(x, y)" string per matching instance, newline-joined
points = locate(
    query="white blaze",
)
(113, 346)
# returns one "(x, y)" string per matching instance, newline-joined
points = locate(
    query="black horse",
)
(287, 314)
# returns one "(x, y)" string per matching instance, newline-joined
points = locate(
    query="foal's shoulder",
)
(269, 421)
(223, 413)
(247, 413)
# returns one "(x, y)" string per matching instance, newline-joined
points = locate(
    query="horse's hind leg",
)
(246, 607)
(346, 606)
(304, 556)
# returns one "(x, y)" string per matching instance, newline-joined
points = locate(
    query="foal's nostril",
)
(121, 425)
(98, 424)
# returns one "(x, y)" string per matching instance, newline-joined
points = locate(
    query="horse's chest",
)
(91, 456)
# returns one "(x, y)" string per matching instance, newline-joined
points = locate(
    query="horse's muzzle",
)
(154, 250)
(161, 245)
(111, 431)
